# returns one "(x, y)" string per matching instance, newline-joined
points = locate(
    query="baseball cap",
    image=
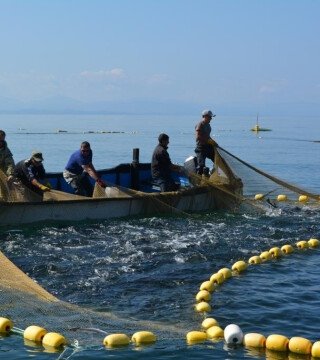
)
(208, 113)
(37, 155)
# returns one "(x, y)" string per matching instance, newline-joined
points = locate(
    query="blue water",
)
(151, 268)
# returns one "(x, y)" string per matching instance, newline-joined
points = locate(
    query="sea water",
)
(151, 268)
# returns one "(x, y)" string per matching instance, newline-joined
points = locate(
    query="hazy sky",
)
(191, 50)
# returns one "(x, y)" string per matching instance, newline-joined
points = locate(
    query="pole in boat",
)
(135, 169)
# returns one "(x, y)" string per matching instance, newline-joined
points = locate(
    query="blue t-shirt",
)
(77, 159)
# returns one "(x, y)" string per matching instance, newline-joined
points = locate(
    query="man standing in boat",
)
(29, 175)
(78, 170)
(161, 166)
(6, 159)
(205, 144)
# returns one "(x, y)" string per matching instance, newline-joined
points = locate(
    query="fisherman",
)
(205, 144)
(161, 166)
(78, 170)
(31, 174)
(6, 159)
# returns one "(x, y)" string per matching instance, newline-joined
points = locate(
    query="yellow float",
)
(265, 255)
(203, 306)
(254, 340)
(114, 340)
(259, 197)
(207, 285)
(208, 322)
(34, 333)
(6, 325)
(53, 340)
(300, 345)
(217, 278)
(277, 342)
(143, 337)
(287, 249)
(282, 197)
(215, 332)
(315, 351)
(303, 244)
(255, 260)
(303, 198)
(239, 266)
(313, 242)
(275, 252)
(196, 337)
(203, 295)
(227, 273)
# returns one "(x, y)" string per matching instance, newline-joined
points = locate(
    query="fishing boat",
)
(257, 127)
(130, 192)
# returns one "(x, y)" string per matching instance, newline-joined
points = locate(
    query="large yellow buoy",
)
(303, 198)
(143, 337)
(194, 337)
(259, 197)
(203, 306)
(315, 351)
(282, 197)
(217, 278)
(208, 322)
(313, 242)
(53, 340)
(275, 252)
(207, 285)
(303, 244)
(277, 342)
(254, 340)
(300, 345)
(203, 295)
(6, 325)
(114, 340)
(34, 333)
(215, 332)
(265, 255)
(227, 273)
(287, 249)
(239, 266)
(255, 260)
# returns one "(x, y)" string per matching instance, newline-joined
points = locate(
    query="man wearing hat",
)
(205, 144)
(31, 173)
(161, 166)
(6, 159)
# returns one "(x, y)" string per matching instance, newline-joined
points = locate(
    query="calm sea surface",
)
(150, 269)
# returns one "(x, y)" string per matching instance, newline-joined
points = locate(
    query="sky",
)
(190, 51)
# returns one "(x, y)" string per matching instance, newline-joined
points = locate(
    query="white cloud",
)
(116, 73)
(158, 79)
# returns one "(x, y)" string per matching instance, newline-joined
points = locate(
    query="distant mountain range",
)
(64, 105)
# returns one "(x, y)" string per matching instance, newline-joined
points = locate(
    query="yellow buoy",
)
(313, 242)
(215, 332)
(287, 249)
(254, 340)
(196, 336)
(277, 342)
(303, 244)
(207, 285)
(203, 295)
(143, 337)
(315, 351)
(203, 306)
(275, 252)
(226, 273)
(114, 340)
(34, 333)
(217, 278)
(255, 260)
(208, 322)
(265, 255)
(303, 198)
(239, 266)
(6, 325)
(300, 345)
(53, 340)
(259, 197)
(282, 197)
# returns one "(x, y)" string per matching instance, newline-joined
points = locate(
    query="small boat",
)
(131, 193)
(257, 128)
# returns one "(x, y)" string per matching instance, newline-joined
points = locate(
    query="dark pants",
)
(166, 184)
(82, 185)
(203, 152)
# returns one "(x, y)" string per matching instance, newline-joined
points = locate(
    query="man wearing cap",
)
(31, 173)
(205, 144)
(161, 166)
(78, 170)
(6, 159)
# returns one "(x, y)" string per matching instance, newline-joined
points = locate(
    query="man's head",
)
(85, 148)
(208, 114)
(163, 139)
(36, 157)
(2, 139)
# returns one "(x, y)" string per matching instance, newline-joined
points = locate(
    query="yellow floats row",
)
(232, 334)
(283, 197)
(53, 340)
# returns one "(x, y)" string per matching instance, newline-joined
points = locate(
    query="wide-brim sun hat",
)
(37, 155)
(208, 113)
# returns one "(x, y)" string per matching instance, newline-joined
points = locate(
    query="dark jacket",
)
(161, 163)
(25, 171)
